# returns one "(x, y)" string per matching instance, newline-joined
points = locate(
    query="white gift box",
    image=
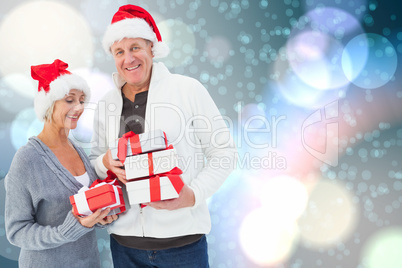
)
(148, 164)
(150, 141)
(140, 191)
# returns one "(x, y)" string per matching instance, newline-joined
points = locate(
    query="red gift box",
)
(101, 194)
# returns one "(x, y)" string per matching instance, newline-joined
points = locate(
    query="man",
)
(147, 97)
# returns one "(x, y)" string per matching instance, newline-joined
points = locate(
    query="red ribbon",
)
(151, 161)
(166, 141)
(110, 178)
(155, 188)
(135, 145)
(169, 147)
(173, 176)
(150, 164)
(174, 171)
(154, 183)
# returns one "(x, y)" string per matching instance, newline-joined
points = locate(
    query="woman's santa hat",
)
(134, 22)
(55, 82)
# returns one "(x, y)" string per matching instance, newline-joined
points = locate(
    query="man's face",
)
(133, 60)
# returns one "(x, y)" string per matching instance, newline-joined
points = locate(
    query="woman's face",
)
(68, 110)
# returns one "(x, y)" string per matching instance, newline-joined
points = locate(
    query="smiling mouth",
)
(72, 116)
(133, 68)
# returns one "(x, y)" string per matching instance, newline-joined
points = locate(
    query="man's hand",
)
(115, 166)
(186, 199)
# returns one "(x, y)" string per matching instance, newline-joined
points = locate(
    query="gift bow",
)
(155, 187)
(110, 179)
(135, 145)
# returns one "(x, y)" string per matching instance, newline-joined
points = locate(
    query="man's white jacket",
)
(182, 108)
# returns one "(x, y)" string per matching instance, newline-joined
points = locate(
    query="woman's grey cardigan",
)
(38, 215)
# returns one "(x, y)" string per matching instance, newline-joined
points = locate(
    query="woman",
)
(45, 172)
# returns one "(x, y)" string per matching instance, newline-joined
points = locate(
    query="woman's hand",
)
(109, 219)
(98, 216)
(115, 166)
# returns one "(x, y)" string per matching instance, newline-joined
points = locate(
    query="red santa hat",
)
(134, 22)
(55, 82)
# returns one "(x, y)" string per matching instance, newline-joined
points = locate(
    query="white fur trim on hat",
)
(133, 28)
(59, 88)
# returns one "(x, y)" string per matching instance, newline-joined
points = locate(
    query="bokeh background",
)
(311, 90)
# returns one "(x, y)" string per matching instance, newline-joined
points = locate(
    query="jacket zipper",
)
(142, 221)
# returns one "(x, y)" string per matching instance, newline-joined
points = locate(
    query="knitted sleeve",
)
(22, 228)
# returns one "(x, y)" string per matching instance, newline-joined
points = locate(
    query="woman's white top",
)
(83, 179)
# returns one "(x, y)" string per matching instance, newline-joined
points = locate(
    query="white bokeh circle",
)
(218, 49)
(38, 32)
(297, 92)
(316, 45)
(315, 58)
(24, 126)
(21, 83)
(284, 196)
(180, 38)
(99, 13)
(12, 89)
(267, 240)
(383, 248)
(99, 82)
(330, 217)
(357, 8)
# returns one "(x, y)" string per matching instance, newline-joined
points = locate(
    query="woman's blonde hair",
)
(49, 113)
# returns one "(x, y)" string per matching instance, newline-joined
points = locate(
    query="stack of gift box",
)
(151, 166)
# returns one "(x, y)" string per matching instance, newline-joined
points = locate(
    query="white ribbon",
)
(82, 204)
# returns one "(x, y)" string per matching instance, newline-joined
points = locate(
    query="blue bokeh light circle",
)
(381, 63)
(24, 126)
